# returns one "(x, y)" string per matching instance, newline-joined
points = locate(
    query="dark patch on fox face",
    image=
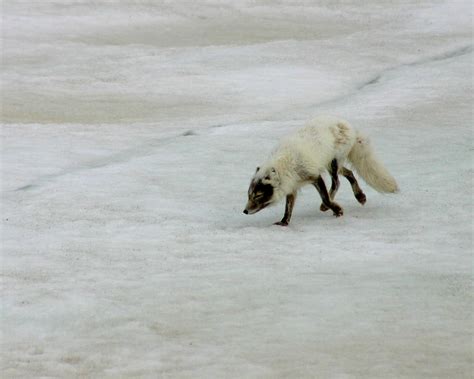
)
(262, 192)
(260, 195)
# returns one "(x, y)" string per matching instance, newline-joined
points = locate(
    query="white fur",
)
(367, 165)
(303, 156)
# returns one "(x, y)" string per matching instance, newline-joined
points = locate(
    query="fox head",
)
(262, 190)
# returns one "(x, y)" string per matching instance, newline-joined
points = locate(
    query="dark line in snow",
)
(448, 55)
(143, 150)
(376, 79)
(25, 188)
(370, 82)
(189, 133)
(122, 156)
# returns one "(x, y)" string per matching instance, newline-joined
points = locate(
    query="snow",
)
(129, 136)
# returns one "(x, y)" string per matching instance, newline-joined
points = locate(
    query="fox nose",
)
(246, 211)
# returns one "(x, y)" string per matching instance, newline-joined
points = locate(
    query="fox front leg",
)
(290, 202)
(333, 170)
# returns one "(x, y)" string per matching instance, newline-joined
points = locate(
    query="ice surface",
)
(129, 135)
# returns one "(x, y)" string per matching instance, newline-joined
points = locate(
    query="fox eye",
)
(258, 195)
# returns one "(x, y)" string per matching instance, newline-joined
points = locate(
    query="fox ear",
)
(258, 168)
(272, 174)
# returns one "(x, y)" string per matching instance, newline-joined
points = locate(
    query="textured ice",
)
(129, 135)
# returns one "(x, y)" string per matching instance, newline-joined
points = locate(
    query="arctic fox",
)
(322, 145)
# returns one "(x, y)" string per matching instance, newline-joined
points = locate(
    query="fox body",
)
(324, 144)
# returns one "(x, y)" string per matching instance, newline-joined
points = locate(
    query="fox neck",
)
(287, 176)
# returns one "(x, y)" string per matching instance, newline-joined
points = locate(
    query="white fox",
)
(322, 145)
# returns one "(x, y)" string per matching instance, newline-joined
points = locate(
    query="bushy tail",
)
(367, 165)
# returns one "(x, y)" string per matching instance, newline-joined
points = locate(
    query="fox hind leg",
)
(359, 195)
(349, 175)
(323, 192)
(333, 170)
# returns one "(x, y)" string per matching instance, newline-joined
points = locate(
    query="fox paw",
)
(323, 208)
(337, 210)
(281, 223)
(361, 198)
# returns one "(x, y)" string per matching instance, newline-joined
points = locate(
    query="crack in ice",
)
(143, 150)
